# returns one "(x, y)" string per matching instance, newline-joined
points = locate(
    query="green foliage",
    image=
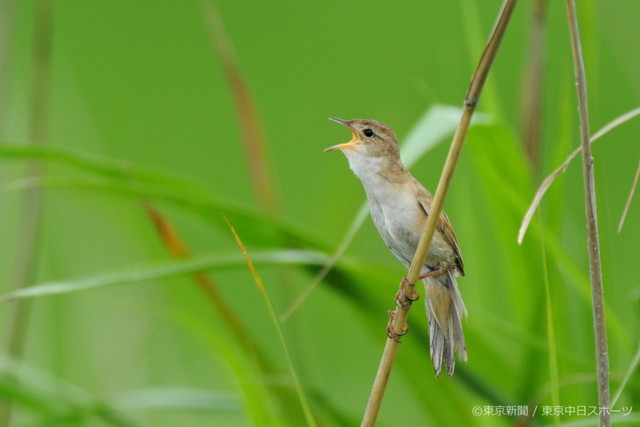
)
(139, 110)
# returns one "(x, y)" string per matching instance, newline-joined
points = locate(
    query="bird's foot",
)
(391, 333)
(402, 299)
(431, 274)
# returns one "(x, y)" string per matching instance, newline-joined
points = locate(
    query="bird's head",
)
(370, 139)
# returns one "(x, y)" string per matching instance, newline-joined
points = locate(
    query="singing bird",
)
(399, 206)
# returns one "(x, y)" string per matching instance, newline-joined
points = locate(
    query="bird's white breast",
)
(397, 213)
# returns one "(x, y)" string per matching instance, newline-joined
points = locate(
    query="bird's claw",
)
(391, 333)
(402, 299)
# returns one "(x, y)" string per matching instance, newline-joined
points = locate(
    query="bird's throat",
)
(378, 170)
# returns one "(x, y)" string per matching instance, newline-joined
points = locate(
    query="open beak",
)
(346, 145)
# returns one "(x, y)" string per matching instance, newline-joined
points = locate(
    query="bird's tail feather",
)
(445, 310)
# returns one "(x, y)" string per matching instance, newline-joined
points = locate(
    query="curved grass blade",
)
(97, 165)
(164, 270)
(549, 179)
(626, 206)
(326, 269)
(263, 291)
(436, 124)
(150, 184)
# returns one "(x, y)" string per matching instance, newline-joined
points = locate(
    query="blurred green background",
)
(138, 107)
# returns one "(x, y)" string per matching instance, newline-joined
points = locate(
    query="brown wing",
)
(444, 225)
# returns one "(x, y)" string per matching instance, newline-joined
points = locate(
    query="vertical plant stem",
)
(551, 334)
(26, 252)
(532, 86)
(309, 418)
(595, 270)
(470, 102)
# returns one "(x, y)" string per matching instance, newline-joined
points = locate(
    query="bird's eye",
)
(368, 132)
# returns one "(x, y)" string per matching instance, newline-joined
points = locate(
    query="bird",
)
(399, 206)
